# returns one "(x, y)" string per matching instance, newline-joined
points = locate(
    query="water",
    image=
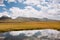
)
(46, 34)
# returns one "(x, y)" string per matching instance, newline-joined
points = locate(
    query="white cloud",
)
(4, 14)
(50, 11)
(31, 12)
(32, 2)
(15, 1)
(15, 12)
(1, 3)
(20, 1)
(11, 1)
(27, 12)
(0, 14)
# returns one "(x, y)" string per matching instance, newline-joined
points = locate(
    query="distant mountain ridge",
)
(4, 18)
(23, 19)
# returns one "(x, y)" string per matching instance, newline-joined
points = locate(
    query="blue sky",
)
(11, 4)
(31, 8)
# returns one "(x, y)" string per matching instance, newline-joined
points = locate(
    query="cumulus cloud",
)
(15, 12)
(20, 1)
(11, 1)
(15, 1)
(1, 3)
(48, 9)
(4, 14)
(27, 12)
(32, 2)
(31, 12)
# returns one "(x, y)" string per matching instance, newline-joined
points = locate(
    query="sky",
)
(30, 8)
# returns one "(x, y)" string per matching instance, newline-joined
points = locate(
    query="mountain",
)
(4, 18)
(23, 19)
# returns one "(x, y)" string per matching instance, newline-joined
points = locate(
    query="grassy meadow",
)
(29, 25)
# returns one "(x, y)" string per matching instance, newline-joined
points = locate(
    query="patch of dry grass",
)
(29, 25)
